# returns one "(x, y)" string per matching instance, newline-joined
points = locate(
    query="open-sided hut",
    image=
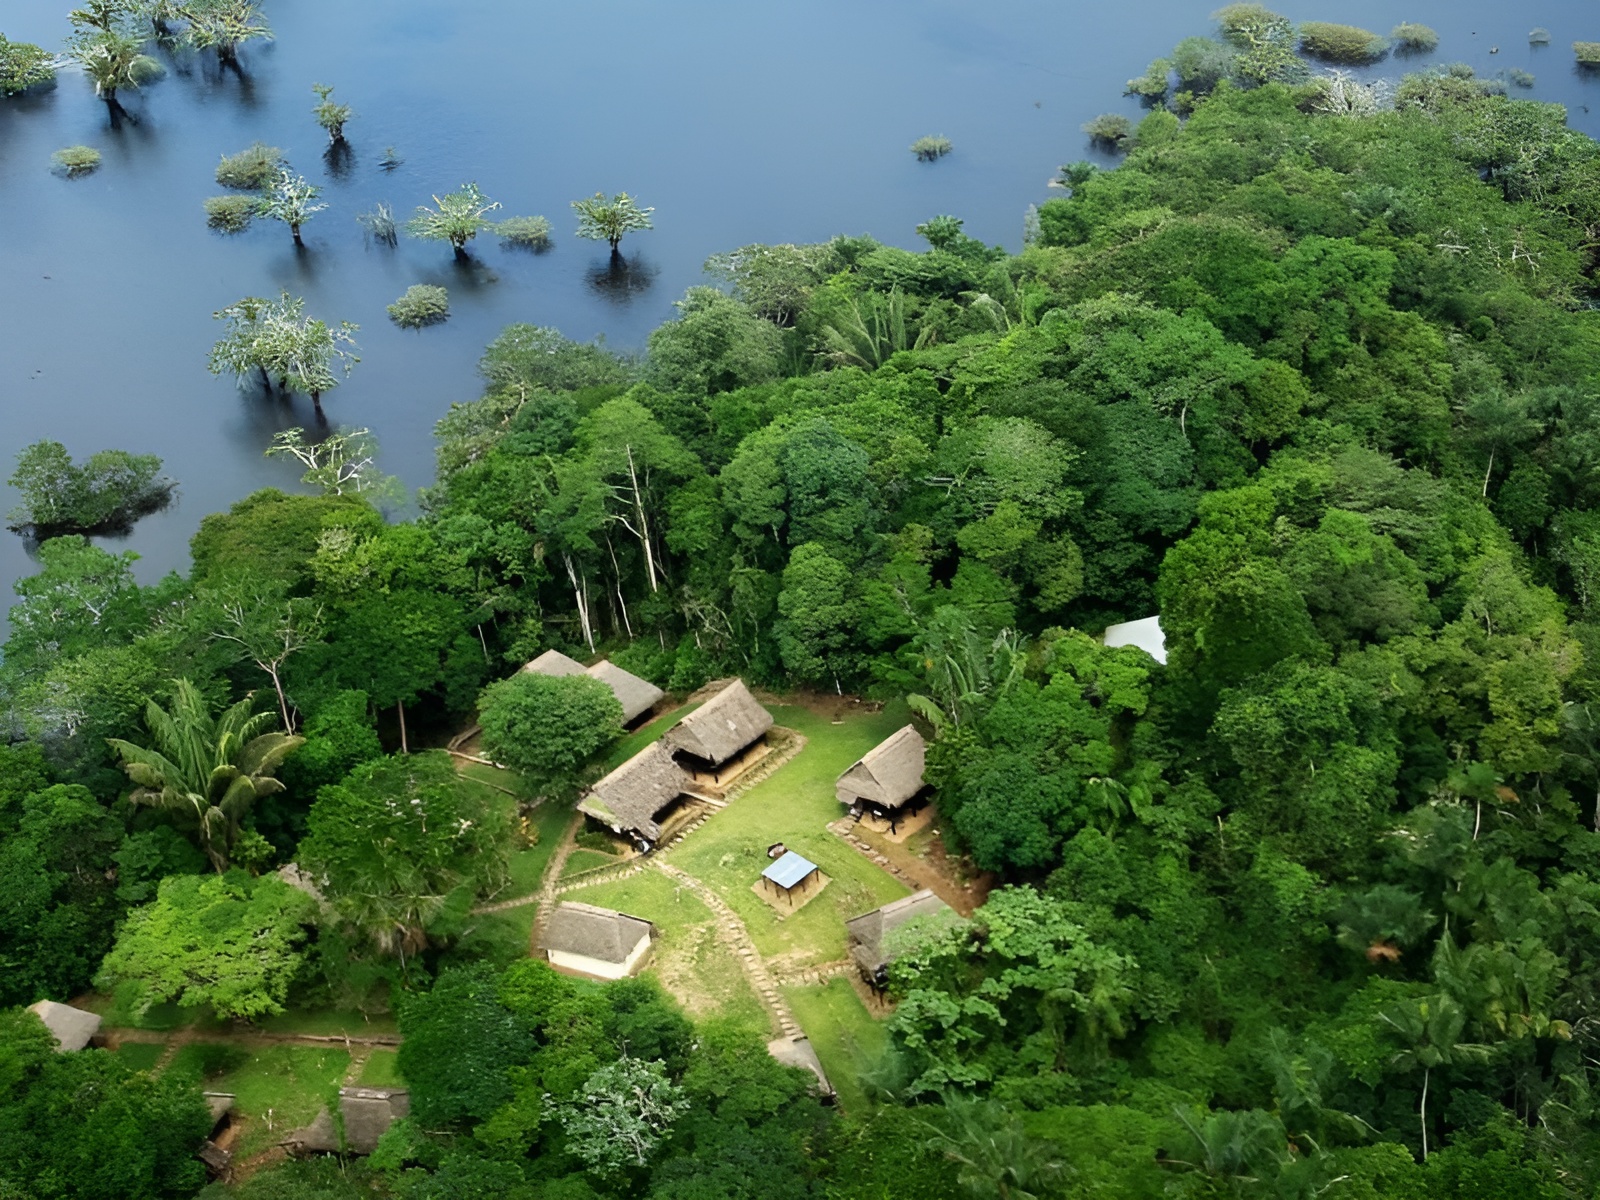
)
(887, 777)
(71, 1027)
(599, 942)
(722, 737)
(365, 1113)
(637, 696)
(868, 931)
(643, 798)
(791, 877)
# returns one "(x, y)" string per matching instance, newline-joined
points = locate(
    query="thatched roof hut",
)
(798, 1052)
(888, 775)
(721, 727)
(554, 663)
(868, 931)
(601, 942)
(631, 798)
(71, 1027)
(637, 696)
(366, 1113)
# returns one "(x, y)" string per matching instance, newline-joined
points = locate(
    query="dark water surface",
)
(739, 122)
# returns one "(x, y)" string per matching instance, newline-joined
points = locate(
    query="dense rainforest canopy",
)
(1312, 910)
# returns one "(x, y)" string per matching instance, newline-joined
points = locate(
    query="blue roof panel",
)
(789, 870)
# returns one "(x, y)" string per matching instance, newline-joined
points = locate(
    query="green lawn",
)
(794, 806)
(141, 1056)
(689, 960)
(843, 1033)
(382, 1069)
(587, 860)
(280, 1089)
(208, 1061)
(329, 1022)
(625, 747)
(527, 866)
(497, 777)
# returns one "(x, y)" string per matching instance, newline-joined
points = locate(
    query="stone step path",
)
(600, 875)
(845, 830)
(733, 934)
(552, 875)
(814, 975)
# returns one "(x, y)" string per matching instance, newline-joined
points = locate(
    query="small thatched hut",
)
(599, 942)
(888, 776)
(366, 1114)
(797, 1051)
(637, 696)
(72, 1027)
(868, 931)
(721, 737)
(644, 798)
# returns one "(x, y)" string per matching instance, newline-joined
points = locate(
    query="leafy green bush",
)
(251, 169)
(1413, 38)
(1110, 129)
(230, 214)
(532, 233)
(22, 66)
(423, 304)
(1152, 85)
(1521, 78)
(931, 149)
(76, 160)
(1341, 43)
(111, 490)
(1588, 53)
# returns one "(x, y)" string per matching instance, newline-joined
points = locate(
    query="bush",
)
(76, 160)
(252, 169)
(1414, 38)
(23, 65)
(532, 233)
(109, 491)
(1110, 129)
(1523, 79)
(1588, 53)
(1341, 43)
(547, 727)
(1152, 85)
(423, 304)
(230, 214)
(931, 149)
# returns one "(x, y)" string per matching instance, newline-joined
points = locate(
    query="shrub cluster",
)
(251, 169)
(76, 160)
(532, 233)
(1109, 129)
(1588, 53)
(1342, 43)
(423, 304)
(931, 149)
(230, 214)
(1413, 38)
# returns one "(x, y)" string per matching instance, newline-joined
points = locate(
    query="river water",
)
(738, 121)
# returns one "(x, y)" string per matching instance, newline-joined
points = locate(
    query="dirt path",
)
(914, 872)
(175, 1040)
(548, 885)
(733, 934)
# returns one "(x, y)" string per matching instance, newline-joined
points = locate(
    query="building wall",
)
(600, 970)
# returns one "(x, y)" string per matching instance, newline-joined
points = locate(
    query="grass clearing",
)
(279, 1089)
(207, 1061)
(794, 805)
(527, 866)
(329, 1023)
(382, 1069)
(689, 959)
(587, 860)
(843, 1033)
(141, 1056)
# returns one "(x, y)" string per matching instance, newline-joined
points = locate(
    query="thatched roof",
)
(637, 696)
(629, 798)
(798, 1052)
(367, 1115)
(1146, 634)
(553, 662)
(599, 933)
(72, 1027)
(868, 930)
(889, 774)
(722, 726)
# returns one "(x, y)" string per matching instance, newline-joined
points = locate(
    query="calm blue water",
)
(739, 122)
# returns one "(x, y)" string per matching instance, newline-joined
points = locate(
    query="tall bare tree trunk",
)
(644, 523)
(400, 707)
(580, 595)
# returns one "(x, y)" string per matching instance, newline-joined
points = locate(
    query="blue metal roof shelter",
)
(789, 871)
